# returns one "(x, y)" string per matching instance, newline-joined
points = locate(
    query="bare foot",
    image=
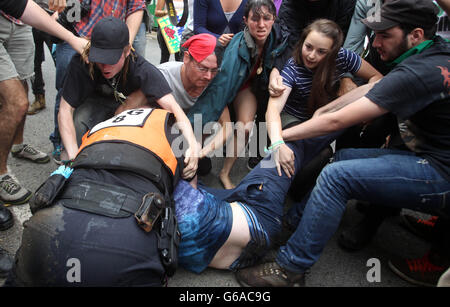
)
(226, 181)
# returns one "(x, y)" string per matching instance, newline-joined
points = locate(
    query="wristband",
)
(273, 146)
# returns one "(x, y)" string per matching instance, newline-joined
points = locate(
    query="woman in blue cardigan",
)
(221, 18)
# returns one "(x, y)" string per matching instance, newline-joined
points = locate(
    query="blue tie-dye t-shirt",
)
(205, 224)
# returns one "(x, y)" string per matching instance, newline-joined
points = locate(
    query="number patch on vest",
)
(131, 118)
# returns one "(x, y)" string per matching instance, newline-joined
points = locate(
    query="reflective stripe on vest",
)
(142, 127)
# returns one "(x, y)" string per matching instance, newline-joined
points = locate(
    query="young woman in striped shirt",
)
(310, 79)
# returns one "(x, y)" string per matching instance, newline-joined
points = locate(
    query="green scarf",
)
(415, 50)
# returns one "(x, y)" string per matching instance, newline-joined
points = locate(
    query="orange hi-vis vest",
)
(130, 141)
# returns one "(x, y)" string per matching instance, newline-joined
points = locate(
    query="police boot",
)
(37, 105)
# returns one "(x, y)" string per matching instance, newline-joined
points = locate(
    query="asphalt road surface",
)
(335, 268)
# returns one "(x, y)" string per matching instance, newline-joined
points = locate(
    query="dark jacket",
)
(295, 15)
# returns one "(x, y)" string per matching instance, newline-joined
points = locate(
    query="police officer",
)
(111, 223)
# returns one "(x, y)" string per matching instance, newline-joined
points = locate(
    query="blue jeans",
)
(64, 53)
(264, 191)
(390, 177)
(140, 41)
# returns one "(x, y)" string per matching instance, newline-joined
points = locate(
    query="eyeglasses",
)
(204, 69)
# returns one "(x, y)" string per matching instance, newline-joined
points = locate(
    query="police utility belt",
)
(152, 211)
(114, 201)
(124, 142)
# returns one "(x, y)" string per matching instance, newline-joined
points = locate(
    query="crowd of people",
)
(370, 77)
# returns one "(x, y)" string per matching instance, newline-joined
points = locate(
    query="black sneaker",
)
(424, 229)
(424, 271)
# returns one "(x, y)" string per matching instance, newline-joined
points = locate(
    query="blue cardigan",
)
(210, 18)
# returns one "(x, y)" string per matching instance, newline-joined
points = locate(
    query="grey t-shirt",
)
(172, 72)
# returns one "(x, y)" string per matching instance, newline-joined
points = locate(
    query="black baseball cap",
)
(419, 13)
(109, 36)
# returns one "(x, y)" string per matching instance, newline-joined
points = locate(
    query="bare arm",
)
(38, 18)
(368, 72)
(168, 103)
(67, 128)
(346, 99)
(360, 111)
(133, 22)
(159, 9)
(283, 155)
(274, 108)
(135, 100)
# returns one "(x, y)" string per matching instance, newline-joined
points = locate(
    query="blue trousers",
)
(264, 191)
(64, 53)
(390, 177)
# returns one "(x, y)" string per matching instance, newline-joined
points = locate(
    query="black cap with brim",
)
(105, 56)
(108, 39)
(379, 25)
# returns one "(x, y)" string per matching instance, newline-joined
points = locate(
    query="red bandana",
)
(200, 46)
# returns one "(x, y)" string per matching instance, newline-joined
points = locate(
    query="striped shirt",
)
(104, 8)
(299, 78)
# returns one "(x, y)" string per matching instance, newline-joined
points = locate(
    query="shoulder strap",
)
(173, 13)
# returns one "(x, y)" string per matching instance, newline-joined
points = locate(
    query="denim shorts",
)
(16, 51)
